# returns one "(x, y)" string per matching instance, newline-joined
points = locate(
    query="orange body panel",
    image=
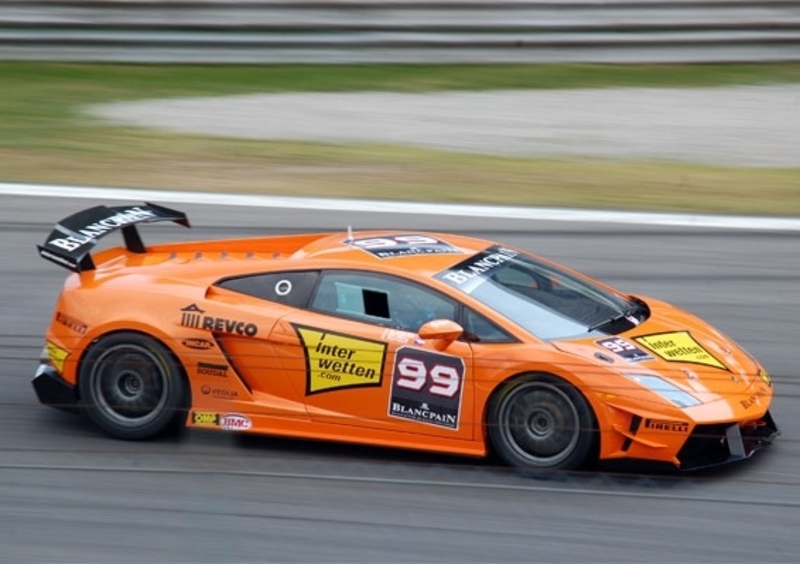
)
(294, 372)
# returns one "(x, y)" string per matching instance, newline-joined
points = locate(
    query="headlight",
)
(665, 389)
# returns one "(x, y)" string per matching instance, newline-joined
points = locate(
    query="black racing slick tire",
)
(131, 386)
(541, 425)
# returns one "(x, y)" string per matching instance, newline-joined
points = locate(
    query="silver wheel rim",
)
(540, 423)
(129, 384)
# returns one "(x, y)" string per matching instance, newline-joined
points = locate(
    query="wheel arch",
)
(523, 375)
(161, 338)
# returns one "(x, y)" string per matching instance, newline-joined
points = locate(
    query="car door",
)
(356, 355)
(262, 299)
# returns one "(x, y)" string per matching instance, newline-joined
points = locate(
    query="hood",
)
(682, 349)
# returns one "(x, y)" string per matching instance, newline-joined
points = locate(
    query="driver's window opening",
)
(376, 303)
(356, 300)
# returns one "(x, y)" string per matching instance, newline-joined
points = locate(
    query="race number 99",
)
(403, 244)
(394, 241)
(428, 372)
(415, 374)
(617, 345)
(427, 387)
(624, 348)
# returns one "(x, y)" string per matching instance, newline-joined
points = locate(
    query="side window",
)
(478, 329)
(289, 288)
(381, 299)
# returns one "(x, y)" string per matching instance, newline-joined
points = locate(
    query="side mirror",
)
(441, 331)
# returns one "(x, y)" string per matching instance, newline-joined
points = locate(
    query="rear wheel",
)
(541, 424)
(131, 386)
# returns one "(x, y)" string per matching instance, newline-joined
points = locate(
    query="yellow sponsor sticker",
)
(205, 418)
(765, 378)
(335, 361)
(57, 355)
(679, 346)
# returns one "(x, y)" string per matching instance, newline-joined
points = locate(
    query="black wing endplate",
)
(72, 239)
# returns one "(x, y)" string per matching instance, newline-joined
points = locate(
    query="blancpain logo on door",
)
(424, 414)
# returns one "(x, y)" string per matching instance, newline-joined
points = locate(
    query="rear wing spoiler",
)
(70, 242)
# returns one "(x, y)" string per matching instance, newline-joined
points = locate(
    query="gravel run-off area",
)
(739, 126)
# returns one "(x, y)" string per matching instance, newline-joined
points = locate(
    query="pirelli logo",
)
(668, 426)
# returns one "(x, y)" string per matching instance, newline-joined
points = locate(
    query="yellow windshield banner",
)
(679, 346)
(335, 361)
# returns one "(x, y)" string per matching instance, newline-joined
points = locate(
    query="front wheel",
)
(131, 386)
(541, 424)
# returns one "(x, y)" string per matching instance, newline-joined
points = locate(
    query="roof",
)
(423, 253)
(408, 250)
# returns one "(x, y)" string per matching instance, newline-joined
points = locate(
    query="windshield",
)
(545, 301)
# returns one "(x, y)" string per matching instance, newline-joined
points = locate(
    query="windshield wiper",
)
(629, 312)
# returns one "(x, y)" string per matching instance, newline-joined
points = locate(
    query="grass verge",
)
(45, 138)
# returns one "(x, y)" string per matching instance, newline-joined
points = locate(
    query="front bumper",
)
(53, 390)
(713, 445)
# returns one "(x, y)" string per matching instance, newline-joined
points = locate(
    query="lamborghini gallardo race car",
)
(411, 340)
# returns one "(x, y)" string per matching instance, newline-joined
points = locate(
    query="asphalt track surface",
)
(69, 494)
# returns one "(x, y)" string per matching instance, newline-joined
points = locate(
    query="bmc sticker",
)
(624, 348)
(679, 346)
(235, 422)
(389, 246)
(426, 387)
(335, 361)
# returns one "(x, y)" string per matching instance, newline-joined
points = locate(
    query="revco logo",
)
(191, 316)
(235, 422)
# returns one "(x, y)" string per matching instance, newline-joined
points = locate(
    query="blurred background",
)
(445, 100)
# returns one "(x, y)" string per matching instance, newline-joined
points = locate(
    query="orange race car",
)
(402, 339)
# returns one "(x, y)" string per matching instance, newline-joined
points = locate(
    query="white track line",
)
(416, 208)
